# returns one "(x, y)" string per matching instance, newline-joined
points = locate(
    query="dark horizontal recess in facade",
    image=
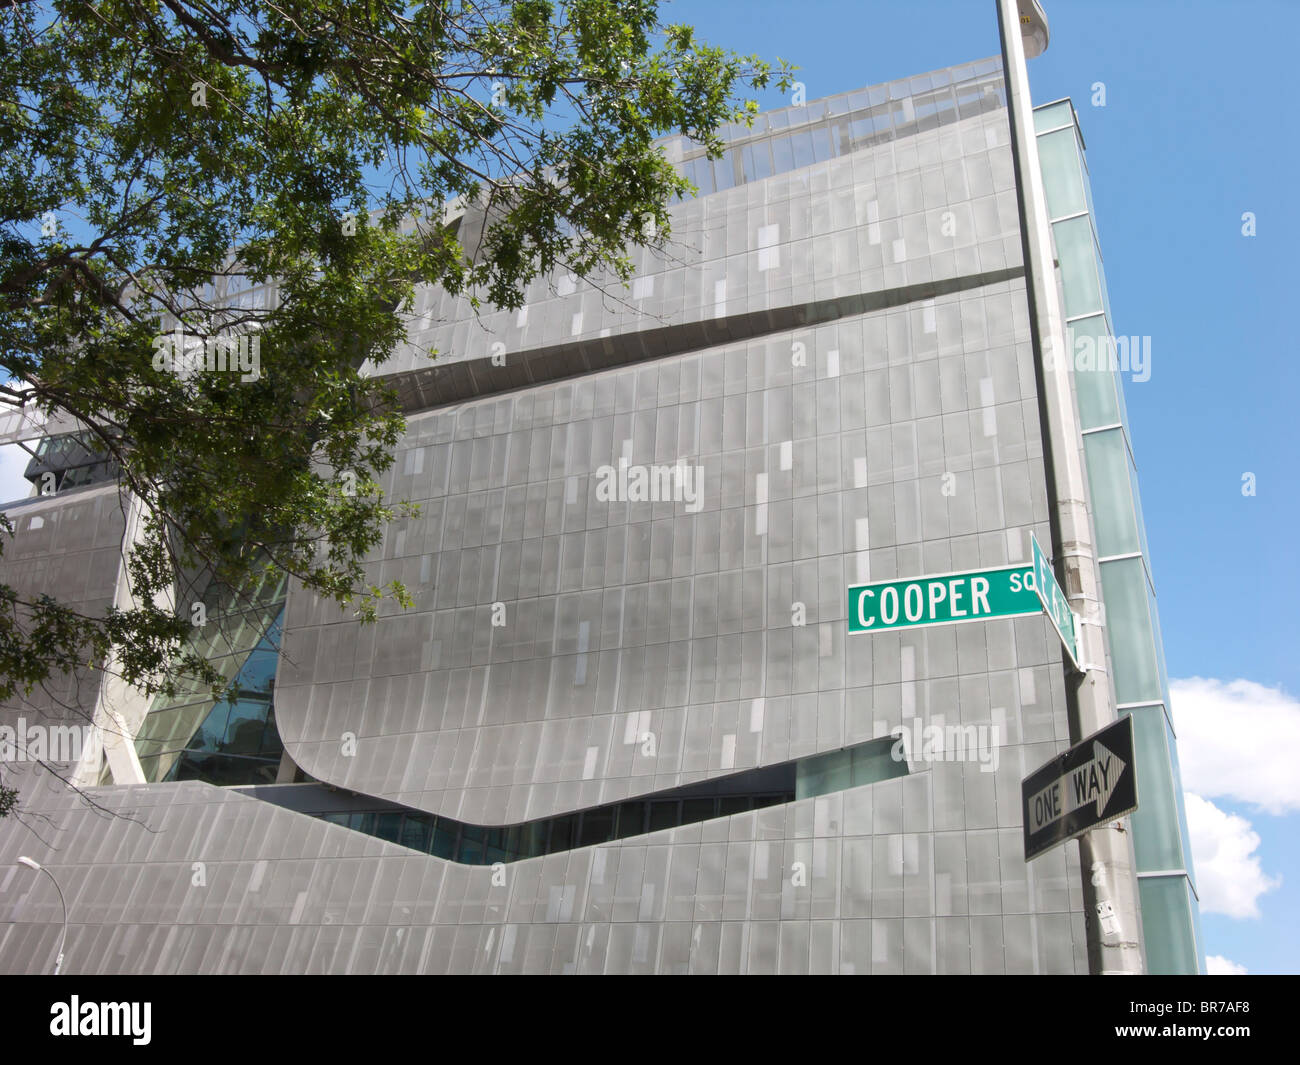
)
(457, 841)
(456, 382)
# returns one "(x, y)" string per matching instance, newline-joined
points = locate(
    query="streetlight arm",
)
(1034, 32)
(63, 936)
(35, 866)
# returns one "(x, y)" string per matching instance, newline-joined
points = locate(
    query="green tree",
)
(142, 140)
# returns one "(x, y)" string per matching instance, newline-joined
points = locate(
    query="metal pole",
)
(63, 936)
(1110, 889)
(37, 867)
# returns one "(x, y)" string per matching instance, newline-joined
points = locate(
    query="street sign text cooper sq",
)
(977, 595)
(943, 599)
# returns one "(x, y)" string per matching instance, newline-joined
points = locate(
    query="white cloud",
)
(1217, 965)
(1228, 875)
(13, 461)
(1238, 740)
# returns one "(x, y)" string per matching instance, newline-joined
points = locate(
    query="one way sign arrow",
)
(1091, 783)
(1094, 781)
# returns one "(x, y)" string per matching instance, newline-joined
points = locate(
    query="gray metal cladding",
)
(630, 574)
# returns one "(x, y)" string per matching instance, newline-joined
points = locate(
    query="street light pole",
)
(1110, 889)
(63, 937)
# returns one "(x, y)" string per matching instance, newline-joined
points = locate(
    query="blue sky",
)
(1198, 127)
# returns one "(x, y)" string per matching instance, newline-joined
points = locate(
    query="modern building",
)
(625, 727)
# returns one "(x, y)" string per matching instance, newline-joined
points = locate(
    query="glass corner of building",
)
(1170, 910)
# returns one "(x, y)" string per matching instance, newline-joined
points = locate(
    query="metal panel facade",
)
(832, 363)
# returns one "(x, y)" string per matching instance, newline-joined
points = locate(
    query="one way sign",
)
(1090, 784)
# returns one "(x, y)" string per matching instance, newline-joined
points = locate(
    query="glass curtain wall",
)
(1170, 912)
(234, 740)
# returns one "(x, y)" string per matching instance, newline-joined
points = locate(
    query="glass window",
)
(695, 810)
(841, 138)
(245, 725)
(1112, 501)
(1128, 625)
(362, 822)
(970, 101)
(389, 826)
(700, 171)
(259, 670)
(494, 846)
(757, 160)
(1080, 281)
(1175, 769)
(444, 839)
(471, 844)
(664, 815)
(532, 839)
(1157, 834)
(631, 819)
(821, 144)
(597, 826)
(1167, 925)
(1101, 266)
(724, 174)
(211, 735)
(1142, 533)
(417, 833)
(563, 833)
(802, 143)
(783, 155)
(272, 746)
(823, 774)
(482, 845)
(1053, 115)
(873, 762)
(1154, 613)
(864, 128)
(1095, 383)
(1062, 174)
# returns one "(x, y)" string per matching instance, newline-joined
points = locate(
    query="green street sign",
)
(1054, 602)
(943, 599)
